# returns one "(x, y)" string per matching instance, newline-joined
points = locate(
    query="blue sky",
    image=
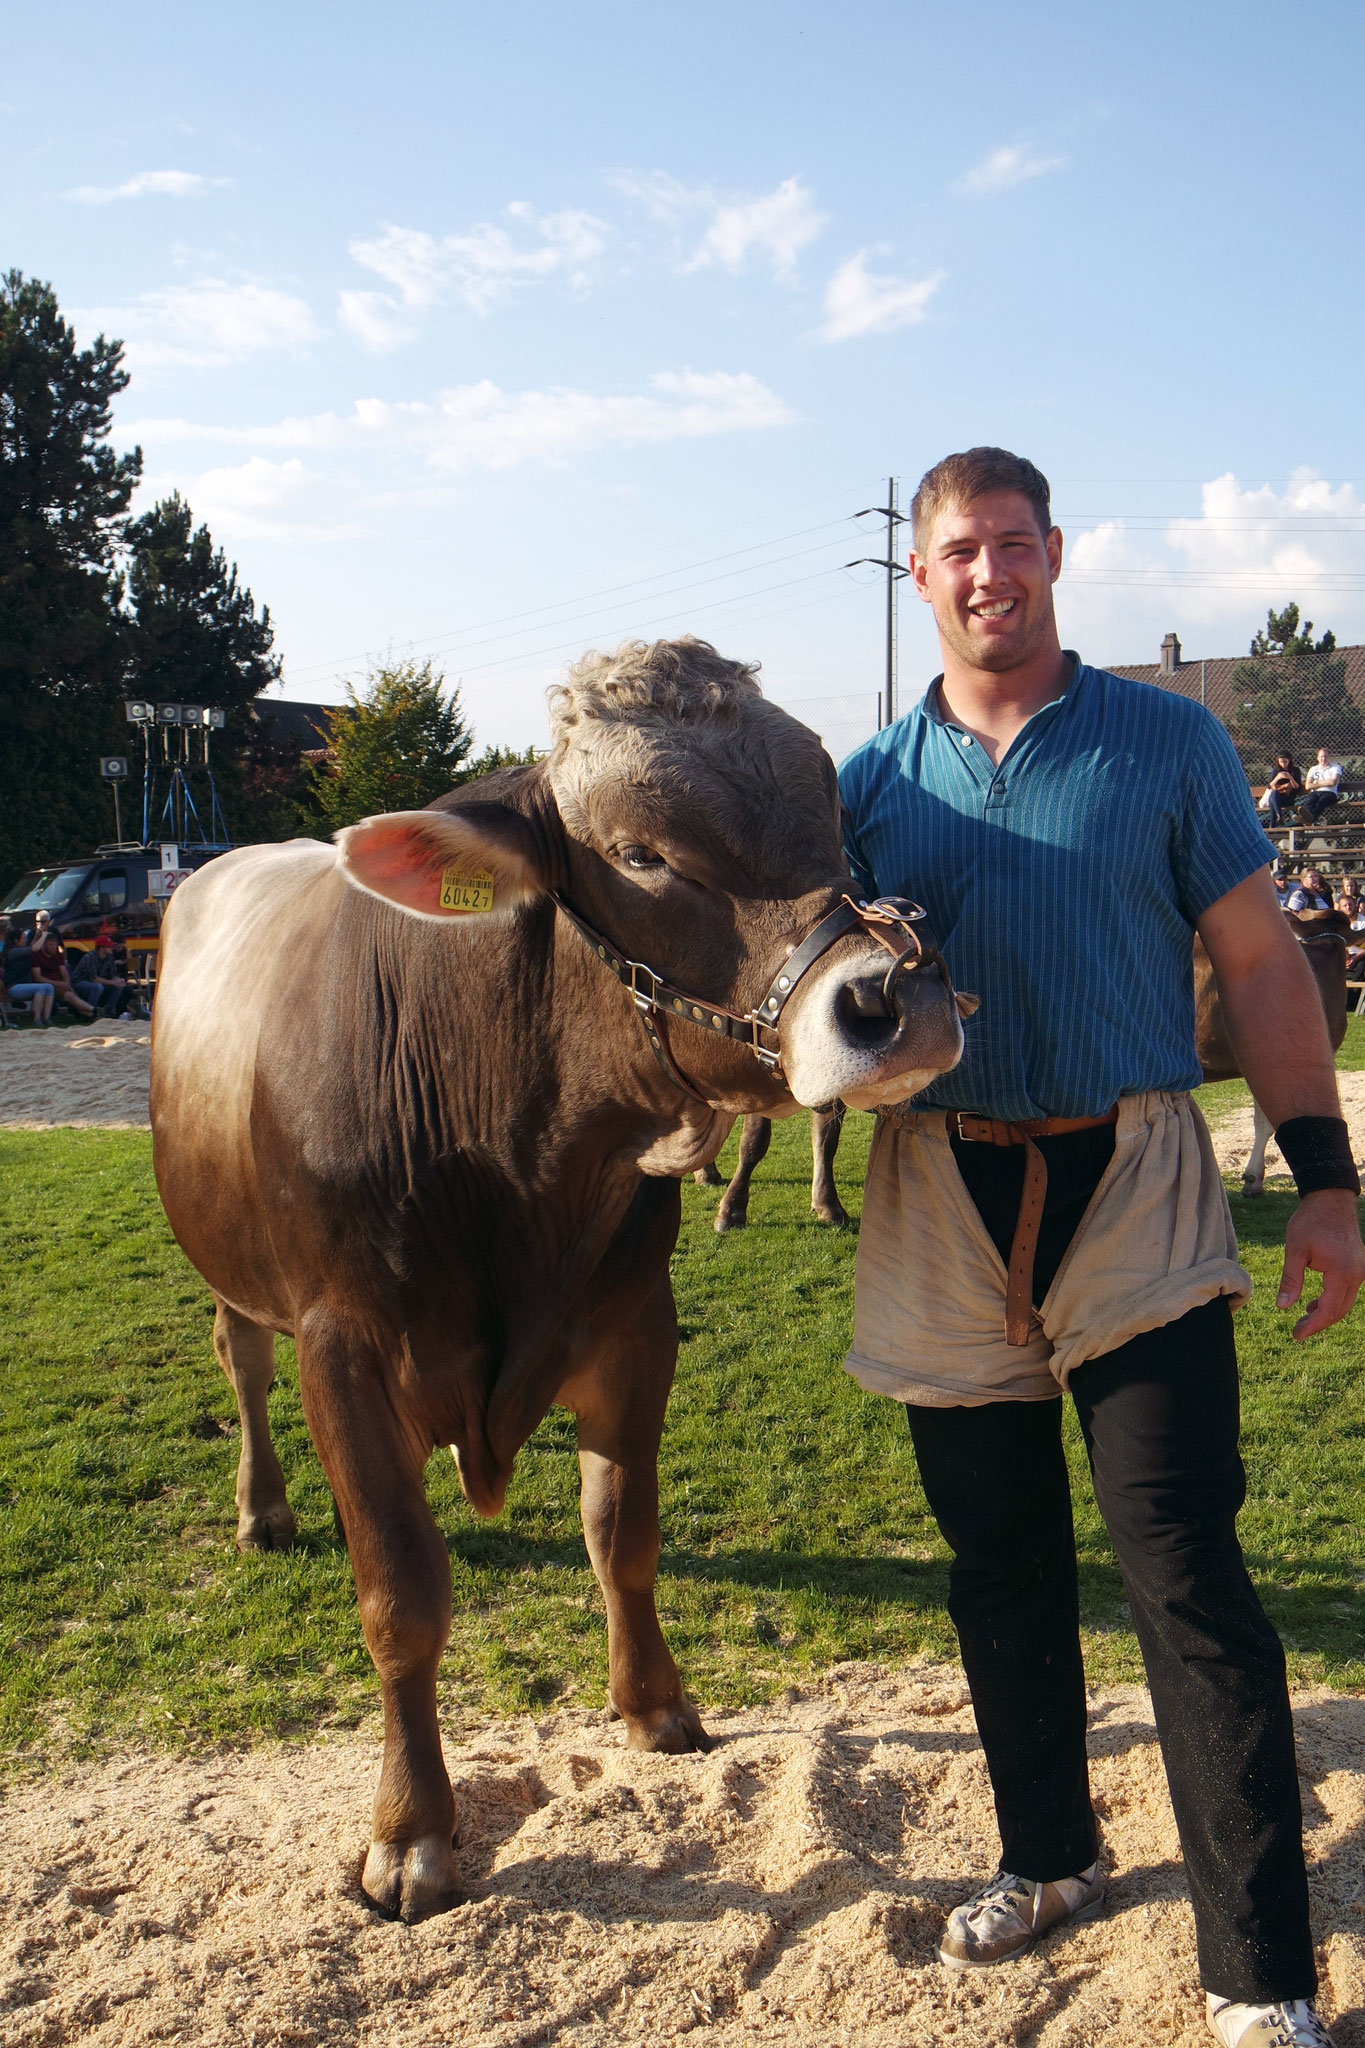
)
(497, 333)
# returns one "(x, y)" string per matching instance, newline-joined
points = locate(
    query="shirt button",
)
(966, 739)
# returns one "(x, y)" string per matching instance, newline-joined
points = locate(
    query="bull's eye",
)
(642, 857)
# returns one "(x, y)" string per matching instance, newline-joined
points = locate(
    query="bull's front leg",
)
(826, 1128)
(754, 1139)
(622, 1371)
(1253, 1173)
(374, 1458)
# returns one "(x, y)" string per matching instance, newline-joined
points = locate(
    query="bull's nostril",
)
(863, 1014)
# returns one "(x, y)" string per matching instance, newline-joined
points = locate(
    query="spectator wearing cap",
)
(1322, 787)
(49, 964)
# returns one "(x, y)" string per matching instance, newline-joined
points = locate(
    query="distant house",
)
(1211, 682)
(286, 722)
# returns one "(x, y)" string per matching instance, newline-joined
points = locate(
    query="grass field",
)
(795, 1532)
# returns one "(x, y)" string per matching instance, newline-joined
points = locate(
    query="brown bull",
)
(404, 1110)
(1320, 934)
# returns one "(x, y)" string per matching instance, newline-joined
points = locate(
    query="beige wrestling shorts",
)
(929, 1305)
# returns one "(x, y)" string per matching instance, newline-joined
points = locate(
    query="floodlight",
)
(215, 717)
(138, 712)
(113, 767)
(193, 714)
(168, 714)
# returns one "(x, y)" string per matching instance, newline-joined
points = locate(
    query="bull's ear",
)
(474, 863)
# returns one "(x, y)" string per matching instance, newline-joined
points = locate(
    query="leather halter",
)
(911, 947)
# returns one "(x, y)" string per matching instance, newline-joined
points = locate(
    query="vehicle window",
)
(113, 888)
(45, 889)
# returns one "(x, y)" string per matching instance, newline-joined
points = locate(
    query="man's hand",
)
(1324, 1233)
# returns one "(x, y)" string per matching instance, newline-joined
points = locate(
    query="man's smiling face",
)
(988, 572)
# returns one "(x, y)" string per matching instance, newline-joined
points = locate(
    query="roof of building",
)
(1211, 682)
(309, 724)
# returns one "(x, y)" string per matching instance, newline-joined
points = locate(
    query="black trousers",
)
(1160, 1420)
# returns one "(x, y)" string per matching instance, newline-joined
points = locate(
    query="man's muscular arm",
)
(1275, 1022)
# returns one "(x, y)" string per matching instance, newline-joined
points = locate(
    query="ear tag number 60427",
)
(466, 889)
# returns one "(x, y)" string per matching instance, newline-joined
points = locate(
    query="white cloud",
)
(205, 324)
(478, 268)
(1211, 579)
(481, 426)
(162, 184)
(378, 322)
(1010, 165)
(860, 301)
(775, 227)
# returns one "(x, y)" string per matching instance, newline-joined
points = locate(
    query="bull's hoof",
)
(668, 1731)
(708, 1176)
(412, 1880)
(1252, 1188)
(832, 1212)
(270, 1529)
(731, 1219)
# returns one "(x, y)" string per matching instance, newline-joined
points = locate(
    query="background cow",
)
(1320, 934)
(756, 1134)
(404, 1110)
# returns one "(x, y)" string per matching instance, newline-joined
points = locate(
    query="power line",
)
(583, 597)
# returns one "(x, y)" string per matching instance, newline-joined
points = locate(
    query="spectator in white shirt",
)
(1322, 787)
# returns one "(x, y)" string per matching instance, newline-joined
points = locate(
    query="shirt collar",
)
(932, 705)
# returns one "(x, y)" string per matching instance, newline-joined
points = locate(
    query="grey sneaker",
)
(1011, 1912)
(1290, 2023)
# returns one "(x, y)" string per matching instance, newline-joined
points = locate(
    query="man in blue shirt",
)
(1049, 1216)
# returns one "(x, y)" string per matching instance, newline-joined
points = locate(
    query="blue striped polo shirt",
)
(1062, 883)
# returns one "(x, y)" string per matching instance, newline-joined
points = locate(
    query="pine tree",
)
(195, 635)
(1292, 696)
(394, 747)
(63, 497)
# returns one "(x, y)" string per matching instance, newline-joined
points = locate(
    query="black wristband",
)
(1317, 1151)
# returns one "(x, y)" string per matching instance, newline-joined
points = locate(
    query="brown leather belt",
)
(992, 1130)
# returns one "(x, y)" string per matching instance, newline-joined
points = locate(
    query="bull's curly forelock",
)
(684, 682)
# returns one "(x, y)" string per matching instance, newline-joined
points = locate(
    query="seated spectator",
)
(96, 977)
(1322, 787)
(1349, 897)
(16, 960)
(1281, 886)
(49, 964)
(1284, 786)
(1309, 895)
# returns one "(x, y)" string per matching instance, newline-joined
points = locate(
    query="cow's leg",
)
(826, 1126)
(754, 1140)
(374, 1458)
(246, 1353)
(1253, 1173)
(621, 1369)
(708, 1176)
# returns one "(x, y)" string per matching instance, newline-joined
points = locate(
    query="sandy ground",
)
(1232, 1139)
(789, 1887)
(86, 1075)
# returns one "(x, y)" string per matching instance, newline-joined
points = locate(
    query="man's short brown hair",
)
(959, 478)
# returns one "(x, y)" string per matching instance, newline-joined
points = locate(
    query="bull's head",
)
(697, 826)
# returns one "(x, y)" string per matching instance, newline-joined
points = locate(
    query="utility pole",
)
(886, 701)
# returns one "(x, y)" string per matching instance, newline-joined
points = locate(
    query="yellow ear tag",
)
(466, 889)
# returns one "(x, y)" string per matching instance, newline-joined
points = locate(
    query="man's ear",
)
(473, 863)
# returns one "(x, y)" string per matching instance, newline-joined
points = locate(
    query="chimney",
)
(1170, 655)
